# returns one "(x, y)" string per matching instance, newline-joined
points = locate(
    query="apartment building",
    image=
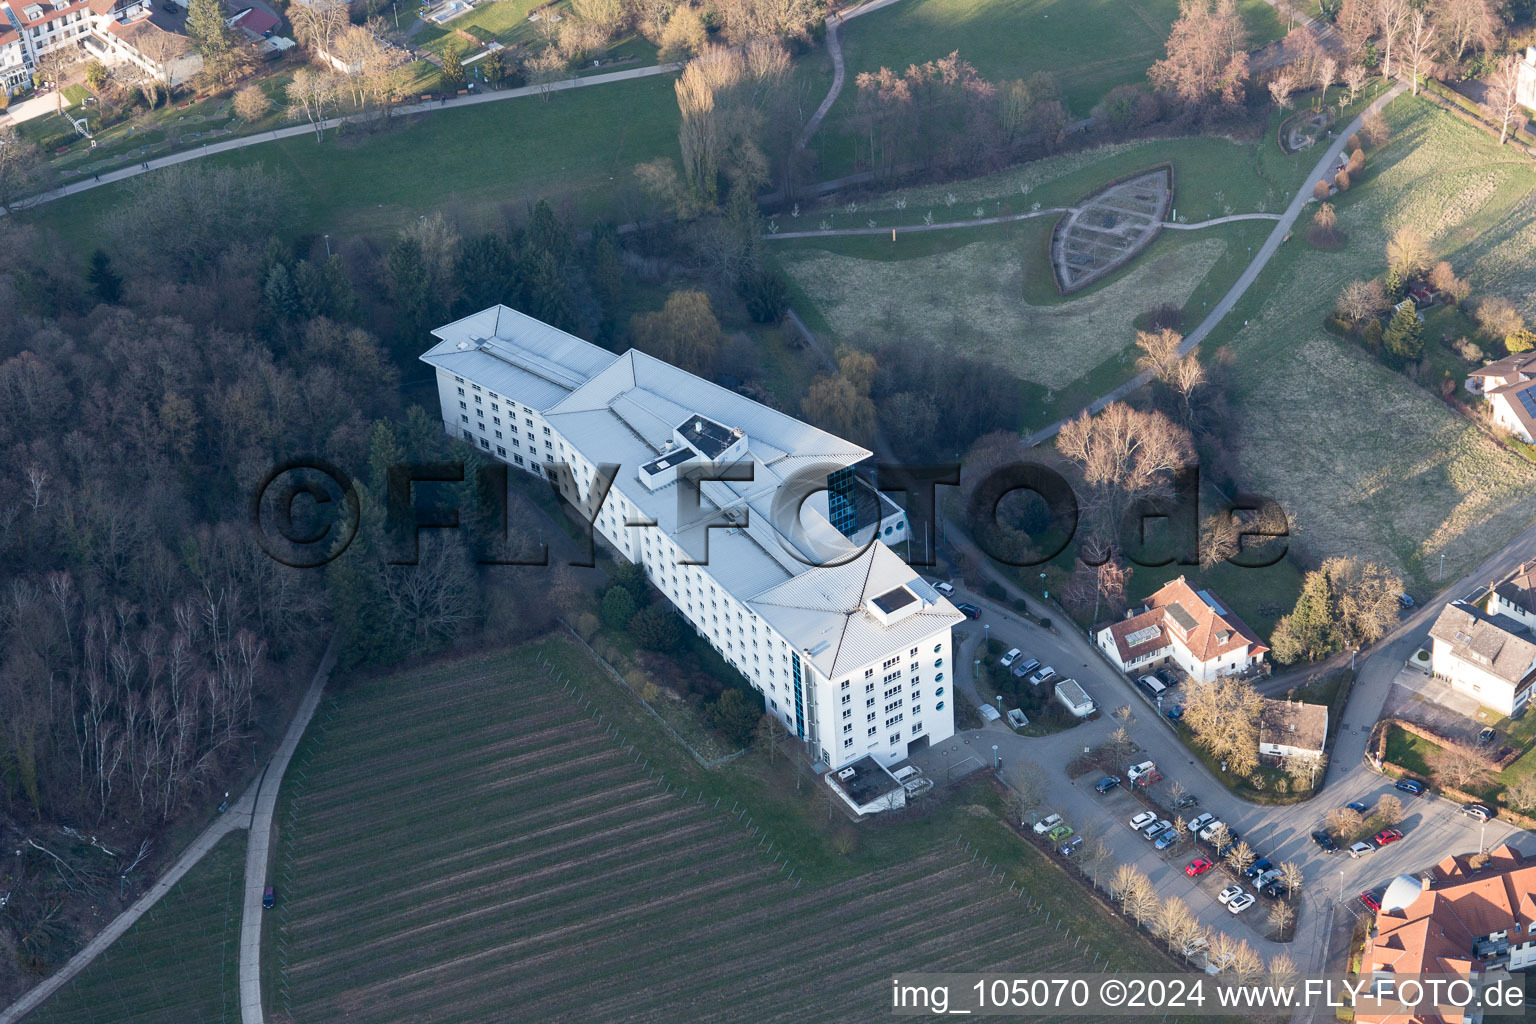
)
(751, 522)
(112, 31)
(1488, 655)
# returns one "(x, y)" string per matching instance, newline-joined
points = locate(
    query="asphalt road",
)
(1433, 827)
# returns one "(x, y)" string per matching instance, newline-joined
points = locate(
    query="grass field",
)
(1090, 46)
(578, 149)
(177, 963)
(468, 837)
(988, 292)
(1389, 473)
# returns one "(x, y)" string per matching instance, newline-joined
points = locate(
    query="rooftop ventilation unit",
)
(846, 774)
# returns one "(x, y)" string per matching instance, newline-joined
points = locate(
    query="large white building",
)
(112, 31)
(787, 573)
(1526, 89)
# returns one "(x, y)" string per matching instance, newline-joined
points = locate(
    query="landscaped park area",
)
(502, 830)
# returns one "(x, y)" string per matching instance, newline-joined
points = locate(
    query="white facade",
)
(1488, 656)
(1526, 92)
(853, 657)
(1476, 680)
(1074, 698)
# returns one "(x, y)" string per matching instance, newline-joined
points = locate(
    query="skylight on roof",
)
(1142, 635)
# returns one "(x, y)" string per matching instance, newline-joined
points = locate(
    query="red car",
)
(1385, 836)
(1198, 866)
(1370, 901)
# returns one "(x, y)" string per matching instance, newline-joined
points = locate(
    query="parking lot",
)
(1432, 827)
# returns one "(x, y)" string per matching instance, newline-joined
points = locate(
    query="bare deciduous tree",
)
(1241, 857)
(1361, 300)
(1290, 874)
(1281, 915)
(251, 104)
(1281, 88)
(1465, 25)
(1391, 18)
(1224, 717)
(1207, 54)
(1418, 48)
(1125, 455)
(1354, 80)
(1503, 97)
(1497, 317)
(1521, 794)
(1387, 812)
(1460, 766)
(1407, 252)
(310, 95)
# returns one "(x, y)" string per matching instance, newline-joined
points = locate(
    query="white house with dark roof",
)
(848, 645)
(1515, 596)
(1509, 385)
(1188, 627)
(1491, 657)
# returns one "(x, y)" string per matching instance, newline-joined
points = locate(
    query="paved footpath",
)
(835, 49)
(252, 810)
(256, 855)
(1006, 218)
(295, 131)
(1260, 261)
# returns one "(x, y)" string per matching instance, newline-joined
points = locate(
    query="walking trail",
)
(835, 48)
(295, 131)
(1250, 274)
(252, 810)
(1004, 219)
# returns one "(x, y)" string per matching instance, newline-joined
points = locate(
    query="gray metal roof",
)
(1497, 643)
(515, 355)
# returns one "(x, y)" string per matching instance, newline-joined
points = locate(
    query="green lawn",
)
(470, 835)
(178, 962)
(579, 147)
(1390, 473)
(1091, 46)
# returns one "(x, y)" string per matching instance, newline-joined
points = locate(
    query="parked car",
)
(1385, 836)
(1371, 902)
(1153, 831)
(947, 589)
(1107, 783)
(1187, 800)
(1152, 685)
(1174, 713)
(1047, 823)
(1324, 841)
(1200, 822)
(1167, 839)
(1240, 903)
(1232, 840)
(1136, 771)
(268, 898)
(1405, 600)
(1358, 806)
(1209, 830)
(1070, 846)
(1486, 736)
(1059, 833)
(1481, 812)
(1011, 656)
(1413, 786)
(1167, 677)
(1230, 893)
(1143, 819)
(1361, 849)
(1272, 875)
(1041, 676)
(1258, 867)
(1277, 891)
(1198, 867)
(970, 610)
(1025, 667)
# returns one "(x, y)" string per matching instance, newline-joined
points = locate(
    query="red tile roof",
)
(1184, 617)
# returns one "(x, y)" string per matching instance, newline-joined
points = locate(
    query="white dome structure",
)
(1401, 893)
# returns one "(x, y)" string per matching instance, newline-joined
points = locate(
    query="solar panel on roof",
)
(1142, 635)
(1205, 595)
(1528, 399)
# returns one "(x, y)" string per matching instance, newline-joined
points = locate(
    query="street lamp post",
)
(1442, 565)
(327, 246)
(1480, 836)
(994, 749)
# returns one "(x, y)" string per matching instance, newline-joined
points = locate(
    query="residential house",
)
(848, 645)
(1289, 728)
(1515, 595)
(31, 28)
(1491, 657)
(1188, 627)
(1474, 922)
(1509, 370)
(1526, 91)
